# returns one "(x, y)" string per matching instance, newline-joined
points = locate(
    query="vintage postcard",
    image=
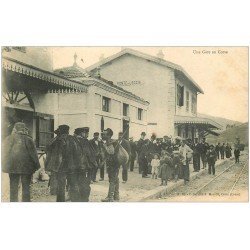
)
(124, 124)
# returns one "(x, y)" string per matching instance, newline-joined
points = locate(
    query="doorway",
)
(125, 129)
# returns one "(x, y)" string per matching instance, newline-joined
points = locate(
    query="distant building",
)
(171, 91)
(44, 99)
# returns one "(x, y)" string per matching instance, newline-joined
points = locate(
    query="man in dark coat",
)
(111, 150)
(203, 149)
(222, 151)
(211, 159)
(20, 161)
(126, 145)
(90, 152)
(96, 145)
(62, 160)
(217, 150)
(133, 154)
(196, 155)
(140, 143)
(144, 158)
(81, 178)
(228, 150)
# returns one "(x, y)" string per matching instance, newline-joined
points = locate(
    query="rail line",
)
(225, 170)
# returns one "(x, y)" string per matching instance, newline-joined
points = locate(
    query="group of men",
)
(72, 161)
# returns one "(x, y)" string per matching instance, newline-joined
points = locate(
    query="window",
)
(22, 49)
(139, 115)
(180, 95)
(125, 109)
(44, 131)
(106, 104)
(193, 108)
(187, 100)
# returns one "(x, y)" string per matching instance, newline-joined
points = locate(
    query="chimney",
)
(160, 54)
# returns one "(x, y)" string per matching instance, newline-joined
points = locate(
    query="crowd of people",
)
(73, 161)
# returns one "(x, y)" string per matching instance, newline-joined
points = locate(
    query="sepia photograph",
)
(124, 124)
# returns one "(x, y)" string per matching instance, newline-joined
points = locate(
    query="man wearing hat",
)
(81, 180)
(203, 149)
(96, 145)
(125, 144)
(61, 160)
(196, 155)
(90, 153)
(140, 143)
(20, 161)
(211, 159)
(111, 151)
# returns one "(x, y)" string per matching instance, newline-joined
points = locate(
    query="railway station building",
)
(172, 93)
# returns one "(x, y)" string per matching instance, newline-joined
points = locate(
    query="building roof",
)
(155, 59)
(197, 120)
(42, 78)
(72, 72)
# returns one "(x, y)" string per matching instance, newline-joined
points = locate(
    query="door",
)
(125, 129)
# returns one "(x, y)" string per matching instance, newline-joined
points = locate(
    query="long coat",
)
(62, 155)
(211, 157)
(19, 154)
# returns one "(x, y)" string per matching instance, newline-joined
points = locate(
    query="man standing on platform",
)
(126, 145)
(133, 154)
(90, 153)
(96, 145)
(203, 149)
(111, 150)
(139, 147)
(196, 155)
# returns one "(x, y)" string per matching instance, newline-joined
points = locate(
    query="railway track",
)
(219, 175)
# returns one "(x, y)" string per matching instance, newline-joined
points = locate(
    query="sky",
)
(222, 76)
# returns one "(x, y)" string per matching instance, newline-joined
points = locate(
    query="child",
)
(177, 164)
(237, 155)
(211, 159)
(165, 166)
(155, 163)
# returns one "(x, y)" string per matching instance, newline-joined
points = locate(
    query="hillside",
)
(222, 121)
(230, 134)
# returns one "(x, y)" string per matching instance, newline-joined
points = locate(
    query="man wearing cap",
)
(196, 155)
(125, 144)
(20, 161)
(133, 154)
(111, 150)
(90, 153)
(211, 159)
(81, 180)
(96, 145)
(62, 161)
(140, 143)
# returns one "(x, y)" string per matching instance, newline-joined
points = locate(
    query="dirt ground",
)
(216, 191)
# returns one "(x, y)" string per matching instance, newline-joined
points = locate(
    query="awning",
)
(18, 76)
(198, 121)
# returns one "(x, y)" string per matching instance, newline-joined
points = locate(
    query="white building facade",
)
(172, 93)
